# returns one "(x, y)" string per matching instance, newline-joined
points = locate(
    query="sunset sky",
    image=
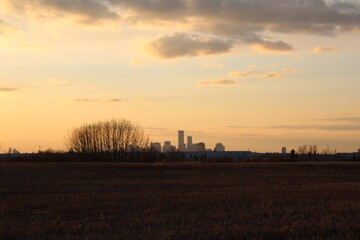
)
(253, 74)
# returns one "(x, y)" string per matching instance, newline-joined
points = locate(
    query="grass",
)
(180, 201)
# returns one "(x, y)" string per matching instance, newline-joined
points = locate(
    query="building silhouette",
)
(156, 147)
(189, 142)
(168, 147)
(283, 150)
(181, 141)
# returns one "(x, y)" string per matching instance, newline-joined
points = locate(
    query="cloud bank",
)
(220, 82)
(234, 21)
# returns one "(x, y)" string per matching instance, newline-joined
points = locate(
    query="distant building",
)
(283, 150)
(359, 150)
(219, 147)
(189, 143)
(168, 147)
(181, 141)
(199, 147)
(156, 147)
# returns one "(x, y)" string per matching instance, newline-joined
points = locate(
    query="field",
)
(180, 201)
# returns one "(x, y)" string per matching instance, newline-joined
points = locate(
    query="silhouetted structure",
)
(167, 148)
(181, 141)
(156, 147)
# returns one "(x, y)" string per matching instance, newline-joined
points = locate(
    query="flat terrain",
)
(180, 201)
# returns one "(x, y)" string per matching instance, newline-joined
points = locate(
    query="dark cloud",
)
(89, 11)
(305, 16)
(237, 21)
(180, 44)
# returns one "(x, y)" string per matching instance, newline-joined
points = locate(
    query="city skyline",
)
(259, 75)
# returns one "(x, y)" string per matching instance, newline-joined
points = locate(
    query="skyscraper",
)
(189, 143)
(181, 141)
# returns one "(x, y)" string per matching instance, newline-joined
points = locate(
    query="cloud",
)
(6, 28)
(341, 127)
(86, 11)
(323, 49)
(243, 74)
(213, 64)
(89, 100)
(7, 89)
(272, 47)
(271, 75)
(181, 44)
(290, 70)
(220, 82)
(232, 21)
(342, 119)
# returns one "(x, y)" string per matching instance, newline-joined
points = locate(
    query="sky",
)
(253, 74)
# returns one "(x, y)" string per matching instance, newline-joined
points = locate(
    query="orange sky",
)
(253, 76)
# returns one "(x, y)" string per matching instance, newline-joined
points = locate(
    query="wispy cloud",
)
(271, 75)
(236, 126)
(342, 119)
(323, 49)
(286, 70)
(272, 47)
(90, 100)
(220, 82)
(8, 89)
(238, 74)
(341, 127)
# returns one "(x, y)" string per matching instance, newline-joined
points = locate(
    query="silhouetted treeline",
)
(83, 157)
(150, 156)
(117, 136)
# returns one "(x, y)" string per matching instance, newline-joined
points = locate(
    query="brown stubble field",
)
(180, 201)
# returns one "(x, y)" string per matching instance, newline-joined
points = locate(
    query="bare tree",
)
(302, 149)
(116, 135)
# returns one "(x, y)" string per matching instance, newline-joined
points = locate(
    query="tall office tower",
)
(189, 143)
(181, 141)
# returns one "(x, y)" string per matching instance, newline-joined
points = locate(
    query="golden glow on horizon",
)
(256, 89)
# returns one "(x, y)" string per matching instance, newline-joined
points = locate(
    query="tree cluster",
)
(307, 149)
(111, 136)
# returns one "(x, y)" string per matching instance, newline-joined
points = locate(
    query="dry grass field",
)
(180, 201)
